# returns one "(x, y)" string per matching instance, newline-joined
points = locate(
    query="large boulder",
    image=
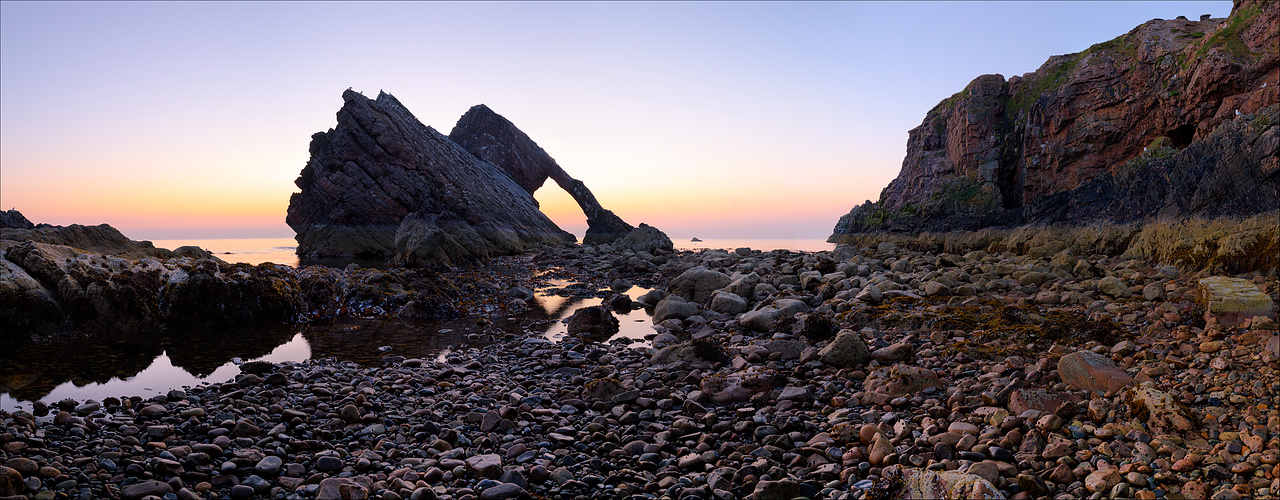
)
(728, 303)
(1090, 371)
(698, 283)
(673, 307)
(900, 380)
(592, 321)
(848, 350)
(647, 238)
(48, 289)
(379, 165)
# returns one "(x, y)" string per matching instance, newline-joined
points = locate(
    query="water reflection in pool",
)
(150, 364)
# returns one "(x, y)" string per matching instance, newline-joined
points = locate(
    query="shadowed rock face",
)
(492, 138)
(383, 185)
(1175, 118)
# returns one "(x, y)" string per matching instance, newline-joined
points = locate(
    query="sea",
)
(153, 364)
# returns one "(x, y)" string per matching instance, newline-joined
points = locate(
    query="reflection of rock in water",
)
(358, 340)
(200, 352)
(29, 371)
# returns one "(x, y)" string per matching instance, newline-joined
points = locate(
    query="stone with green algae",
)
(1233, 301)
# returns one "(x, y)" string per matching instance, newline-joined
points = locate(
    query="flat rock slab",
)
(1087, 370)
(1233, 301)
(1273, 346)
(1043, 400)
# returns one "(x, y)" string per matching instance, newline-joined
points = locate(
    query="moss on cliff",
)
(1228, 37)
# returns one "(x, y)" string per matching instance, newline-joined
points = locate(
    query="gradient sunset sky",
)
(709, 119)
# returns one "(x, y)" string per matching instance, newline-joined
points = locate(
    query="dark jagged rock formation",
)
(14, 219)
(101, 238)
(379, 166)
(1176, 118)
(55, 289)
(492, 138)
(92, 279)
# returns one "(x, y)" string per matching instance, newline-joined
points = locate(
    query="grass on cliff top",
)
(1229, 36)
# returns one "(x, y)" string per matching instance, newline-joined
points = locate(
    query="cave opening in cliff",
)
(1181, 137)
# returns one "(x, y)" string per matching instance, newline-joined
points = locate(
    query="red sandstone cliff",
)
(1174, 118)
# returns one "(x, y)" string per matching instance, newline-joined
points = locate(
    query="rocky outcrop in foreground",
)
(492, 138)
(125, 286)
(383, 185)
(102, 238)
(1176, 118)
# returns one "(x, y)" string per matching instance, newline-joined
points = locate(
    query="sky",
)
(710, 119)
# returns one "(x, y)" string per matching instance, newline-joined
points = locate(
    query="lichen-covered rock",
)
(847, 350)
(1161, 411)
(1112, 286)
(700, 354)
(741, 385)
(1233, 301)
(901, 379)
(379, 165)
(344, 488)
(901, 483)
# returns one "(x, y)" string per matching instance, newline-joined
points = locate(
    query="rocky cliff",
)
(492, 138)
(1175, 118)
(383, 185)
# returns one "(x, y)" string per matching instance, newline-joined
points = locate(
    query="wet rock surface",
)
(963, 394)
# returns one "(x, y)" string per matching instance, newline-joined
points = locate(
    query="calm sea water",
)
(281, 250)
(762, 244)
(147, 365)
(250, 250)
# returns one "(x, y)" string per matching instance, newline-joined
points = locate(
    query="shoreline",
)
(763, 393)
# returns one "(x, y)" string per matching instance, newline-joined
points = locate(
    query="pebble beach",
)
(856, 373)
